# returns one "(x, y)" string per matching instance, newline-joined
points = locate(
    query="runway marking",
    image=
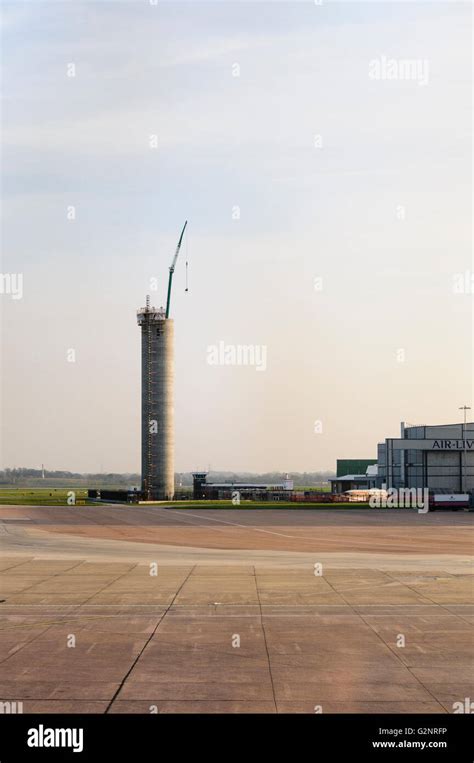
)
(15, 519)
(305, 537)
(224, 522)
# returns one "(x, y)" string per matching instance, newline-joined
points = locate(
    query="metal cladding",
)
(157, 403)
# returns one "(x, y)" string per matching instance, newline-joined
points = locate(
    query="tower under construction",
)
(157, 331)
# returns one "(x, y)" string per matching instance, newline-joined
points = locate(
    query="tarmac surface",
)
(130, 609)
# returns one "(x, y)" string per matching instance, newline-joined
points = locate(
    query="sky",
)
(327, 185)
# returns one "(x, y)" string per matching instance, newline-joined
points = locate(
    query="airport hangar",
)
(438, 457)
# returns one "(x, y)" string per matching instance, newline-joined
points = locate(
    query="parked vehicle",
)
(454, 501)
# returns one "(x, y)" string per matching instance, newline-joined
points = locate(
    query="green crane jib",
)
(172, 267)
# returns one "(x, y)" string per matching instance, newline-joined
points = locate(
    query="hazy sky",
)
(329, 222)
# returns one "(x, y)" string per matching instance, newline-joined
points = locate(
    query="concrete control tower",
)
(158, 395)
(157, 403)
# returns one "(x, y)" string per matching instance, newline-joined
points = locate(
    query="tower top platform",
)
(150, 313)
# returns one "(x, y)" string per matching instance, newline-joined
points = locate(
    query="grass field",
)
(272, 505)
(59, 497)
(41, 496)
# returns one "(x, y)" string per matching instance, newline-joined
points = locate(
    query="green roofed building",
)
(347, 466)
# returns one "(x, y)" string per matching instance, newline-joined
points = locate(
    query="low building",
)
(353, 466)
(366, 481)
(247, 490)
(118, 495)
